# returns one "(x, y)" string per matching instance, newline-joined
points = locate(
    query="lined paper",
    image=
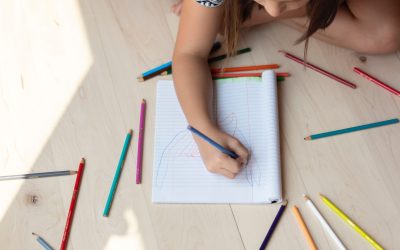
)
(245, 108)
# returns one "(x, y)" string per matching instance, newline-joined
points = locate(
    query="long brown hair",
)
(321, 13)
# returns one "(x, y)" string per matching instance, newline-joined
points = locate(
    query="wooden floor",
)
(68, 90)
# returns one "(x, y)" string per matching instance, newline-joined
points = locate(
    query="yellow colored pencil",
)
(304, 228)
(351, 223)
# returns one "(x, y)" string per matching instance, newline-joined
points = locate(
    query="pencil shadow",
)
(281, 97)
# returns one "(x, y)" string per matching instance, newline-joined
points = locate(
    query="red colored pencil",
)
(319, 70)
(245, 68)
(376, 81)
(72, 205)
(258, 74)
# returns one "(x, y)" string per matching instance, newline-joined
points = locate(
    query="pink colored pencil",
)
(319, 70)
(140, 142)
(376, 81)
(72, 205)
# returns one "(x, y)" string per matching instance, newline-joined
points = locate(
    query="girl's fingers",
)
(226, 173)
(231, 165)
(236, 146)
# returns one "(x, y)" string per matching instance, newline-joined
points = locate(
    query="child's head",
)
(321, 14)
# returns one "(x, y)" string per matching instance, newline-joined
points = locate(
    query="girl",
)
(367, 26)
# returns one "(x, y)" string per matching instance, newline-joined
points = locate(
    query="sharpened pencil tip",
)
(83, 160)
(284, 203)
(130, 131)
(308, 138)
(143, 100)
(306, 198)
(140, 79)
(33, 233)
(281, 51)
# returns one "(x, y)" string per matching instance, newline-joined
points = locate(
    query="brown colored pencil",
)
(319, 70)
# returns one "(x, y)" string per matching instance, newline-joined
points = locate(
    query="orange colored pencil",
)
(245, 68)
(304, 228)
(257, 74)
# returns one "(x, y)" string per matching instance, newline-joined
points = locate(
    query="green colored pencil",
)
(216, 58)
(352, 129)
(117, 174)
(222, 57)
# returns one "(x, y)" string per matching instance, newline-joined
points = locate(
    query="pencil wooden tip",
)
(140, 79)
(34, 233)
(73, 172)
(281, 51)
(284, 203)
(83, 160)
(130, 131)
(143, 100)
(308, 138)
(306, 198)
(164, 73)
(321, 195)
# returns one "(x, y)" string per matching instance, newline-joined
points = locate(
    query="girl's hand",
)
(218, 162)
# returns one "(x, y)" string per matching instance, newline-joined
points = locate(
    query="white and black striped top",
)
(210, 3)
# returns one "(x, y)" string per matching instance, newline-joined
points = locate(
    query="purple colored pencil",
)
(273, 226)
(140, 143)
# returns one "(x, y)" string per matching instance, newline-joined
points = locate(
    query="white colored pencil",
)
(324, 223)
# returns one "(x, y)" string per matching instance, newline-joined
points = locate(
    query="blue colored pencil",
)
(164, 66)
(43, 242)
(273, 226)
(213, 143)
(117, 174)
(168, 65)
(352, 129)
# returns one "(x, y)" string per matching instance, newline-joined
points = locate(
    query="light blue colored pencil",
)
(43, 242)
(163, 66)
(117, 174)
(352, 129)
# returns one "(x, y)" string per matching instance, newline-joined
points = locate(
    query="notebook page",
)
(245, 108)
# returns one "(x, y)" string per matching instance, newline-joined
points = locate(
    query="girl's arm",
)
(198, 29)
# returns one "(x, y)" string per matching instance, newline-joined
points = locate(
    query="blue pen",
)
(213, 143)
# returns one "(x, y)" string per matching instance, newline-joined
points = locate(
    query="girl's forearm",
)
(193, 85)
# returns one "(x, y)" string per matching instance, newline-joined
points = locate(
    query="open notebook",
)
(245, 108)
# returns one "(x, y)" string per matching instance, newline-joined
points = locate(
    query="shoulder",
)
(210, 3)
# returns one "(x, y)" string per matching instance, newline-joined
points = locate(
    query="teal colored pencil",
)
(352, 129)
(117, 174)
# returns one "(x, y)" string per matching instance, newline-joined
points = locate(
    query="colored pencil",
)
(140, 142)
(273, 226)
(37, 175)
(72, 205)
(351, 223)
(213, 143)
(278, 78)
(324, 223)
(218, 58)
(43, 242)
(351, 129)
(162, 69)
(319, 70)
(224, 56)
(376, 81)
(304, 228)
(257, 74)
(118, 171)
(245, 68)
